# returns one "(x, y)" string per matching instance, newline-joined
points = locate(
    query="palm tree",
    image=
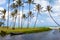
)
(38, 8)
(14, 15)
(8, 14)
(19, 3)
(4, 12)
(22, 15)
(30, 16)
(13, 6)
(49, 11)
(23, 18)
(29, 2)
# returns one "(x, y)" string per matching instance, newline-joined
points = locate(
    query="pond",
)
(50, 35)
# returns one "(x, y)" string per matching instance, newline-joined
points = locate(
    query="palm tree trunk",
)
(28, 17)
(13, 27)
(30, 22)
(53, 19)
(4, 22)
(21, 18)
(14, 22)
(8, 14)
(36, 20)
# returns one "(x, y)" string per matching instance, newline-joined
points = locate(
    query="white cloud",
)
(44, 3)
(1, 8)
(42, 21)
(56, 7)
(2, 2)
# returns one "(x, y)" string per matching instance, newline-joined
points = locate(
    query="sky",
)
(43, 19)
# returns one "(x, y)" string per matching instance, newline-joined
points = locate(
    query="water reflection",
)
(51, 35)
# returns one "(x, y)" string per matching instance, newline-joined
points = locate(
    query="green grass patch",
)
(24, 30)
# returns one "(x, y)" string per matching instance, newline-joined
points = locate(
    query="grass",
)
(24, 30)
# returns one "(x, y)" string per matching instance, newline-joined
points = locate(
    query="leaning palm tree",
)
(14, 14)
(49, 9)
(38, 8)
(29, 2)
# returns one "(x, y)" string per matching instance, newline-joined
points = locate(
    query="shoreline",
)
(18, 31)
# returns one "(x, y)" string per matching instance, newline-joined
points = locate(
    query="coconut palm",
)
(13, 6)
(23, 18)
(14, 15)
(49, 9)
(29, 2)
(4, 12)
(22, 12)
(19, 3)
(30, 16)
(38, 8)
(8, 14)
(22, 15)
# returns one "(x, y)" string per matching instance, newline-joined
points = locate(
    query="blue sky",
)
(43, 19)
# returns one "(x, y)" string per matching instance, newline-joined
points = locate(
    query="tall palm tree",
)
(38, 8)
(29, 2)
(49, 9)
(14, 15)
(8, 14)
(22, 15)
(19, 3)
(14, 6)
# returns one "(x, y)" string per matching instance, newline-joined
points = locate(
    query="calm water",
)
(51, 35)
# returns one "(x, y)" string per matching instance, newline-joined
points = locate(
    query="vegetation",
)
(24, 30)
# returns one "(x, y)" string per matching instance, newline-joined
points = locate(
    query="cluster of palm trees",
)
(15, 7)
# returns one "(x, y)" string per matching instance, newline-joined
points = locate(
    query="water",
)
(50, 35)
